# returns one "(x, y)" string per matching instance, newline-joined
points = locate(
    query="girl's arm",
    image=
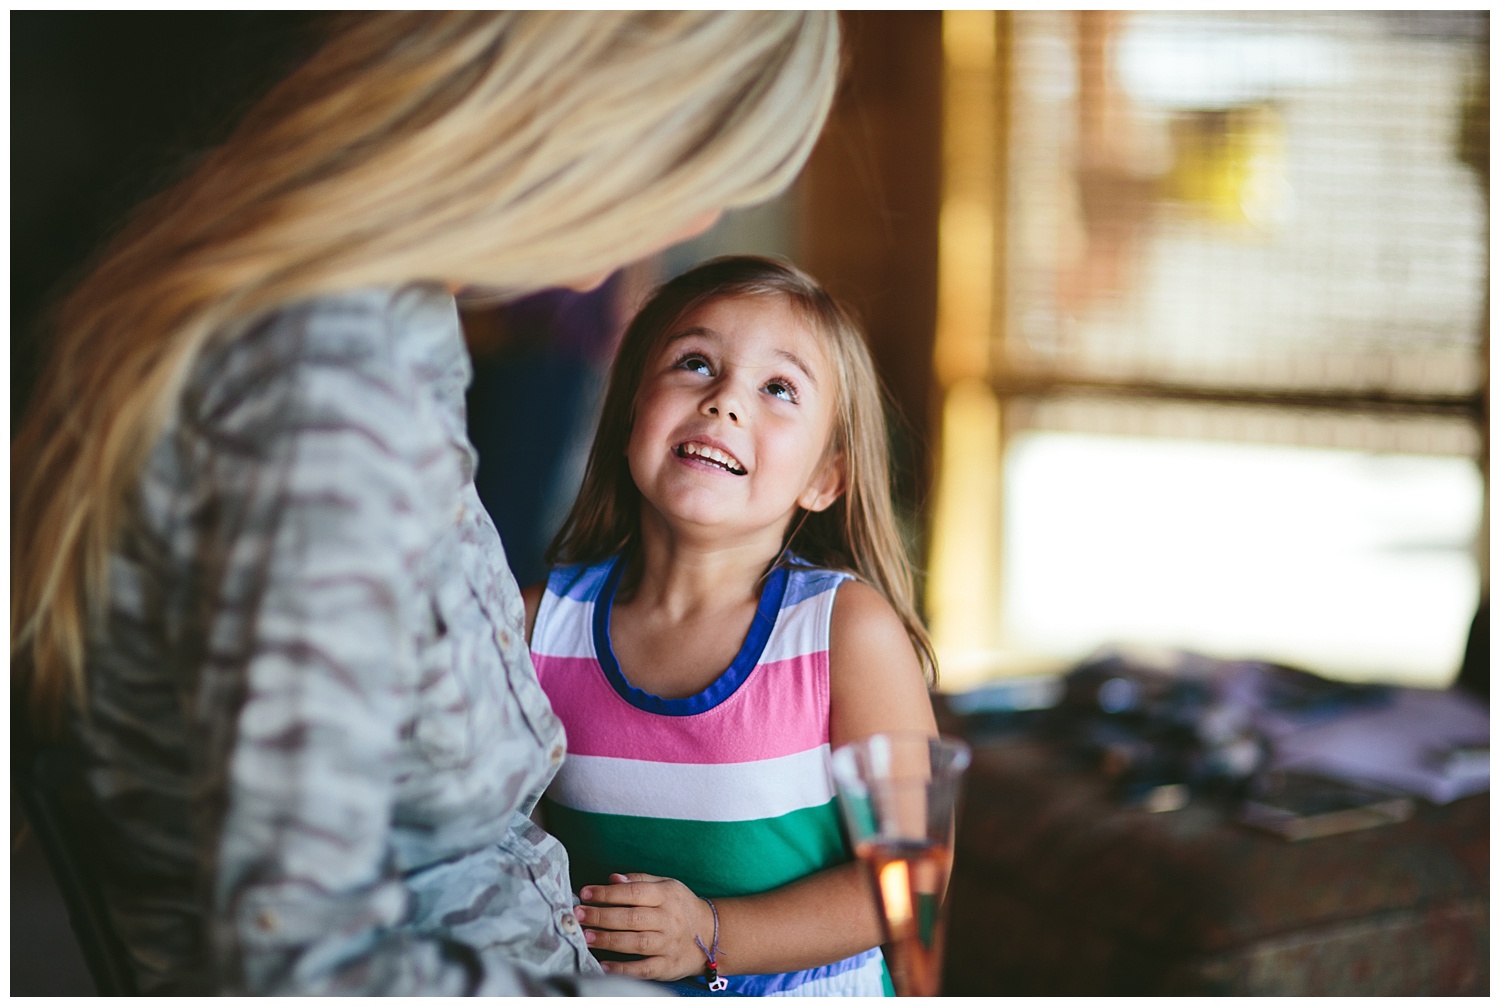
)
(531, 597)
(875, 685)
(874, 678)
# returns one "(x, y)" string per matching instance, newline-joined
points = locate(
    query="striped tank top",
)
(728, 791)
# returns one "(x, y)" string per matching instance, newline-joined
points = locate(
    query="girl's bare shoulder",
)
(875, 677)
(858, 606)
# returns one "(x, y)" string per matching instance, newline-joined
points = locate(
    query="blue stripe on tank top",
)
(810, 581)
(724, 686)
(758, 985)
(577, 582)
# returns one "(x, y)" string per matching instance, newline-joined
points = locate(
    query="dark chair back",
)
(49, 784)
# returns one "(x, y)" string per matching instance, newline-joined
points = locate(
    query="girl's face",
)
(732, 420)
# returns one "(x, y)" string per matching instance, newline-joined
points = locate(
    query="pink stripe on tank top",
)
(779, 710)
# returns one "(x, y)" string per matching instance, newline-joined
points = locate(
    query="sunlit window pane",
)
(1351, 564)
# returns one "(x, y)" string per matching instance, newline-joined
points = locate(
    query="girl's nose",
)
(722, 401)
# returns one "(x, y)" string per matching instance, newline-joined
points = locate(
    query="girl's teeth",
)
(708, 454)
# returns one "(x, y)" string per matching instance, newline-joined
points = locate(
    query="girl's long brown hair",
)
(858, 533)
(513, 150)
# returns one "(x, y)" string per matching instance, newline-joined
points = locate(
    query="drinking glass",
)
(899, 797)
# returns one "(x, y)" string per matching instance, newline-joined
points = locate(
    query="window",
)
(1212, 338)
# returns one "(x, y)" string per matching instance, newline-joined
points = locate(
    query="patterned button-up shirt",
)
(313, 728)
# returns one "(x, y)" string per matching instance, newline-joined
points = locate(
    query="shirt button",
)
(265, 920)
(505, 639)
(568, 922)
(556, 755)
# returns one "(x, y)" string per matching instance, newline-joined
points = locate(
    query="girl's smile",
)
(733, 419)
(704, 451)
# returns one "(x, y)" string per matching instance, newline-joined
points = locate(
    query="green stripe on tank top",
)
(717, 859)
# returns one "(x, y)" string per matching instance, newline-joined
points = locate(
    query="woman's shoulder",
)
(347, 327)
(349, 356)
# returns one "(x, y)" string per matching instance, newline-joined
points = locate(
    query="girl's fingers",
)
(621, 878)
(634, 942)
(646, 968)
(618, 918)
(640, 890)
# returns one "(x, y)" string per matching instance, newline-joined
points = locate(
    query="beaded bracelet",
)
(715, 981)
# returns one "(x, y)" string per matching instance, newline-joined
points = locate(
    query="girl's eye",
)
(693, 362)
(782, 390)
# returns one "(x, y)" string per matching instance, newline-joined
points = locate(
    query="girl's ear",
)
(826, 486)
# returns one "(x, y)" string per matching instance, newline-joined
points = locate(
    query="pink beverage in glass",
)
(899, 798)
(911, 877)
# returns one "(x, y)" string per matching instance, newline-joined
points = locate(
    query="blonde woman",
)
(252, 585)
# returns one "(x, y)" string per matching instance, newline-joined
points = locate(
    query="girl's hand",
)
(642, 914)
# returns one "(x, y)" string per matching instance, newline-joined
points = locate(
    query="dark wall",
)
(106, 109)
(868, 220)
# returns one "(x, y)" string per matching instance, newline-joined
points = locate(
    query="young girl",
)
(734, 600)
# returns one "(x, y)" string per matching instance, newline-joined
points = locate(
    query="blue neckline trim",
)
(722, 687)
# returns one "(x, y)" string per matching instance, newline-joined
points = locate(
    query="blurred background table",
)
(1057, 890)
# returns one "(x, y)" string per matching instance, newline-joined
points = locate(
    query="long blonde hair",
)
(858, 533)
(511, 150)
